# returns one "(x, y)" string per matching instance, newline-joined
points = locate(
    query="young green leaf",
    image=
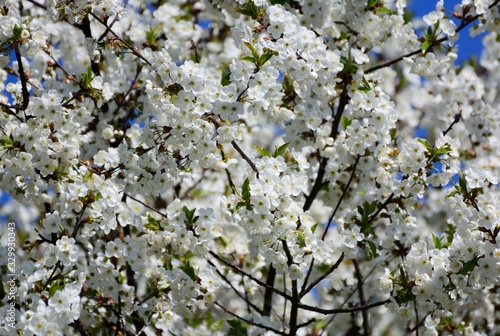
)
(245, 192)
(262, 151)
(280, 150)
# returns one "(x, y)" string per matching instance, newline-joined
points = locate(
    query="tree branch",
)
(248, 321)
(342, 310)
(359, 277)
(351, 178)
(245, 157)
(323, 276)
(240, 271)
(22, 76)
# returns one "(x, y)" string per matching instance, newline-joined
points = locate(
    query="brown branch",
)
(22, 76)
(251, 277)
(351, 178)
(145, 205)
(37, 4)
(318, 183)
(386, 203)
(226, 280)
(248, 321)
(323, 276)
(132, 49)
(115, 19)
(268, 294)
(362, 300)
(245, 157)
(342, 310)
(294, 310)
(456, 120)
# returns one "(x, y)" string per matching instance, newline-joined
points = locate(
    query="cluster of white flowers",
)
(230, 167)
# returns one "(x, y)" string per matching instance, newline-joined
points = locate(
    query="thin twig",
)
(240, 271)
(351, 178)
(132, 49)
(323, 276)
(386, 203)
(245, 157)
(342, 310)
(244, 298)
(249, 321)
(145, 205)
(456, 120)
(115, 19)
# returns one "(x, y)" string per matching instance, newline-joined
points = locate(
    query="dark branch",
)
(248, 321)
(22, 76)
(342, 310)
(456, 120)
(323, 276)
(245, 157)
(351, 178)
(240, 271)
(362, 301)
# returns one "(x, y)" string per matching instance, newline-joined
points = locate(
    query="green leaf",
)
(429, 33)
(468, 266)
(16, 32)
(365, 85)
(262, 151)
(314, 227)
(393, 132)
(402, 277)
(153, 224)
(437, 242)
(361, 211)
(426, 143)
(384, 10)
(280, 150)
(442, 150)
(186, 268)
(462, 182)
(426, 46)
(236, 328)
(371, 207)
(248, 59)
(190, 218)
(373, 248)
(250, 9)
(266, 57)
(56, 285)
(288, 85)
(252, 49)
(277, 2)
(7, 142)
(320, 324)
(153, 33)
(87, 78)
(370, 4)
(346, 122)
(301, 238)
(225, 77)
(245, 192)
